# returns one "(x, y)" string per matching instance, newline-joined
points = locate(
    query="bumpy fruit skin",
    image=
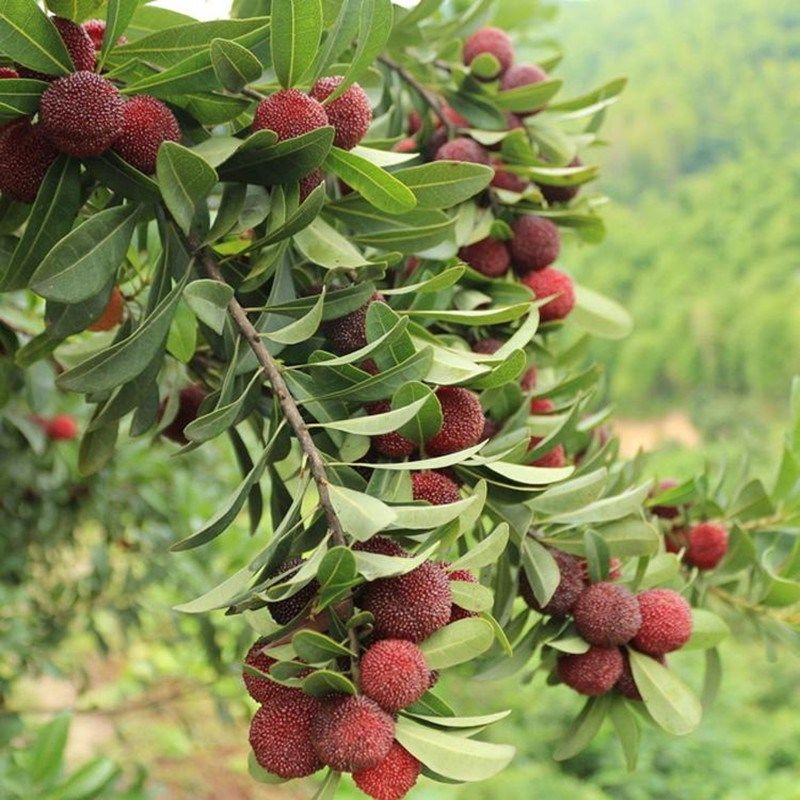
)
(284, 611)
(487, 347)
(410, 606)
(96, 30)
(82, 114)
(189, 402)
(490, 428)
(434, 487)
(349, 333)
(79, 46)
(494, 41)
(61, 428)
(280, 735)
(626, 686)
(310, 182)
(528, 380)
(463, 149)
(147, 123)
(352, 733)
(523, 75)
(264, 690)
(393, 778)
(456, 612)
(567, 592)
(561, 194)
(8, 72)
(289, 113)
(556, 457)
(607, 614)
(462, 421)
(392, 444)
(549, 281)
(536, 243)
(614, 570)
(25, 157)
(503, 179)
(394, 674)
(112, 313)
(665, 512)
(707, 545)
(591, 673)
(350, 114)
(666, 622)
(542, 405)
(414, 122)
(382, 545)
(490, 257)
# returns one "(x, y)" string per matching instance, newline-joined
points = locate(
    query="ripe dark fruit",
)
(410, 606)
(561, 194)
(8, 72)
(626, 685)
(463, 149)
(393, 444)
(607, 614)
(393, 778)
(490, 428)
(280, 735)
(523, 75)
(407, 145)
(82, 114)
(528, 380)
(349, 333)
(567, 592)
(542, 405)
(350, 114)
(614, 570)
(434, 487)
(60, 428)
(536, 243)
(549, 281)
(96, 30)
(665, 512)
(284, 611)
(666, 622)
(394, 674)
(310, 182)
(592, 673)
(263, 690)
(487, 347)
(503, 179)
(79, 46)
(462, 423)
(189, 402)
(147, 123)
(112, 313)
(382, 545)
(289, 113)
(490, 257)
(414, 121)
(352, 733)
(25, 157)
(707, 545)
(456, 612)
(556, 457)
(495, 42)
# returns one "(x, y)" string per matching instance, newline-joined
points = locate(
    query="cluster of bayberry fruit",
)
(294, 734)
(702, 545)
(610, 618)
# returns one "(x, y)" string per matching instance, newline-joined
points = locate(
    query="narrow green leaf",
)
(234, 65)
(118, 16)
(28, 37)
(584, 728)
(443, 184)
(185, 180)
(457, 642)
(209, 300)
(599, 315)
(486, 552)
(361, 515)
(541, 570)
(19, 97)
(296, 32)
(301, 329)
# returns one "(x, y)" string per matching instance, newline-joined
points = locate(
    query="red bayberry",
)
(25, 157)
(523, 75)
(189, 401)
(542, 405)
(394, 674)
(560, 194)
(528, 380)
(310, 182)
(463, 149)
(349, 333)
(607, 614)
(112, 313)
(707, 545)
(393, 778)
(8, 72)
(503, 179)
(289, 113)
(61, 428)
(434, 487)
(462, 421)
(456, 612)
(495, 42)
(393, 444)
(593, 672)
(350, 114)
(536, 243)
(487, 347)
(547, 282)
(666, 622)
(382, 545)
(569, 587)
(264, 690)
(147, 123)
(284, 611)
(556, 457)
(488, 256)
(665, 512)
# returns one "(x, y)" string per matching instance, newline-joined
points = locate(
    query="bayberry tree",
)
(327, 231)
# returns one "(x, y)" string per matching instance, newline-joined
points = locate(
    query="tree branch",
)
(426, 94)
(287, 402)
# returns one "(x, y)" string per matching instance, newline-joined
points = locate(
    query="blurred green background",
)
(703, 248)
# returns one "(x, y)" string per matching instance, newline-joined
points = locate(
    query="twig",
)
(426, 94)
(787, 617)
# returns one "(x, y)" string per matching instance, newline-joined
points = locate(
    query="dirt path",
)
(649, 434)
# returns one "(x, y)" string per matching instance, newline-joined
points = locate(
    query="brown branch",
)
(426, 94)
(287, 402)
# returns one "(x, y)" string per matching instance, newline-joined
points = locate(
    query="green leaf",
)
(118, 16)
(296, 32)
(451, 756)
(220, 419)
(374, 424)
(541, 570)
(584, 728)
(339, 35)
(424, 516)
(626, 726)
(336, 575)
(82, 263)
(234, 65)
(670, 702)
(526, 99)
(19, 96)
(97, 448)
(607, 509)
(301, 329)
(708, 630)
(442, 721)
(471, 596)
(323, 682)
(220, 596)
(126, 359)
(530, 476)
(485, 552)
(361, 515)
(89, 781)
(47, 751)
(443, 184)
(182, 336)
(377, 186)
(209, 300)
(185, 180)
(599, 315)
(28, 37)
(303, 216)
(457, 642)
(313, 647)
(324, 245)
(124, 179)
